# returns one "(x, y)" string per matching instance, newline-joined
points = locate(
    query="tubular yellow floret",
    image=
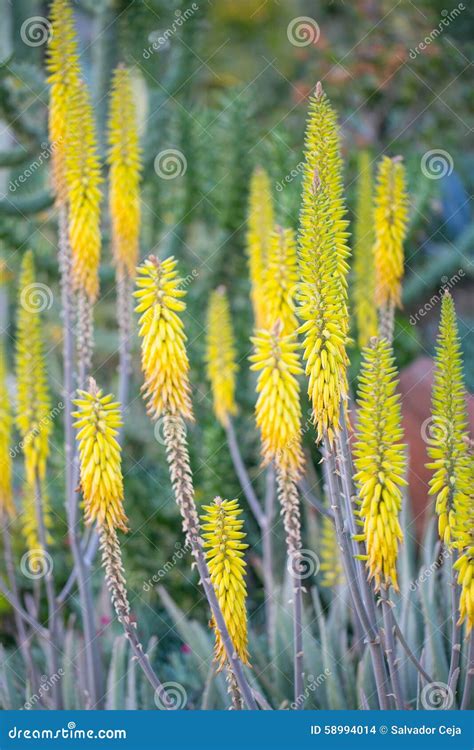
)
(98, 419)
(7, 507)
(165, 362)
(64, 76)
(223, 537)
(323, 266)
(449, 428)
(221, 356)
(379, 462)
(83, 181)
(390, 222)
(34, 418)
(278, 410)
(364, 266)
(125, 167)
(281, 280)
(260, 226)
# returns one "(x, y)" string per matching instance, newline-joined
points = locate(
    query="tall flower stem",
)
(242, 475)
(267, 556)
(94, 671)
(112, 560)
(344, 541)
(124, 315)
(54, 643)
(467, 693)
(289, 500)
(181, 480)
(455, 629)
(390, 649)
(23, 638)
(264, 519)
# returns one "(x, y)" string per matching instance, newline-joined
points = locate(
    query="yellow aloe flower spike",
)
(390, 222)
(34, 415)
(165, 362)
(449, 428)
(278, 410)
(7, 507)
(98, 419)
(323, 266)
(464, 543)
(364, 264)
(223, 537)
(221, 356)
(281, 280)
(83, 179)
(260, 226)
(64, 77)
(125, 168)
(379, 462)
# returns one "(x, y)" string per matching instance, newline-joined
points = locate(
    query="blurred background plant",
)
(220, 88)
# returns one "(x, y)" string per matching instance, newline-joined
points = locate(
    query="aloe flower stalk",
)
(225, 558)
(390, 222)
(450, 482)
(278, 416)
(260, 226)
(364, 265)
(167, 392)
(379, 463)
(64, 78)
(34, 422)
(281, 280)
(323, 267)
(221, 356)
(74, 174)
(98, 419)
